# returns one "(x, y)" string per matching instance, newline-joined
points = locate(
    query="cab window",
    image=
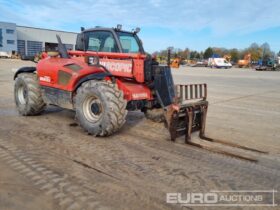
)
(128, 42)
(101, 41)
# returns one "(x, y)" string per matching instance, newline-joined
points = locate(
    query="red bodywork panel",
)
(119, 64)
(64, 74)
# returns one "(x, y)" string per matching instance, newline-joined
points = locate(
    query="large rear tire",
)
(100, 107)
(28, 95)
(155, 114)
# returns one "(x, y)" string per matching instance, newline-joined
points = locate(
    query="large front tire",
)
(100, 107)
(28, 95)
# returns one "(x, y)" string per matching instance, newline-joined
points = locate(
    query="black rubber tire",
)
(113, 106)
(33, 103)
(155, 114)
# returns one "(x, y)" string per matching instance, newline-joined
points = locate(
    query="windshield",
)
(129, 42)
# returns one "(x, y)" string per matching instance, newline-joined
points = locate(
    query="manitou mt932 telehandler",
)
(107, 75)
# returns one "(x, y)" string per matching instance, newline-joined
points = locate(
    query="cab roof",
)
(99, 28)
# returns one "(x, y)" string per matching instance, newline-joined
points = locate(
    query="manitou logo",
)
(45, 79)
(117, 65)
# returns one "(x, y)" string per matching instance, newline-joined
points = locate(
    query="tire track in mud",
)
(115, 193)
(147, 176)
(61, 188)
(127, 167)
(177, 154)
(143, 159)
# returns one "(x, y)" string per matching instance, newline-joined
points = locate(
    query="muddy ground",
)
(47, 162)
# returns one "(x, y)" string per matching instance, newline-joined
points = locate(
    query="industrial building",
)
(8, 37)
(28, 41)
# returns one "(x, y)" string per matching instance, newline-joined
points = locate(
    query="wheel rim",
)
(92, 109)
(22, 94)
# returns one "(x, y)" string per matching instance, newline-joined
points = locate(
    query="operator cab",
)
(112, 40)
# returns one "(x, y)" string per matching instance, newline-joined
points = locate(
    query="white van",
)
(5, 55)
(219, 63)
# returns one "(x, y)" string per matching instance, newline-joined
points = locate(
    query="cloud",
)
(222, 17)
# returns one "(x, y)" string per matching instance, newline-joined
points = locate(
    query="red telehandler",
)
(107, 75)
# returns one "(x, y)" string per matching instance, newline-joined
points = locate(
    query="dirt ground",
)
(49, 163)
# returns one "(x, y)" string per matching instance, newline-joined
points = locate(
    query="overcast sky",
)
(195, 24)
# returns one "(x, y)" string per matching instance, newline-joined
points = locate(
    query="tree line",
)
(257, 52)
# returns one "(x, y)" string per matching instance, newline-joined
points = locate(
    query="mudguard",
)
(27, 69)
(97, 76)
